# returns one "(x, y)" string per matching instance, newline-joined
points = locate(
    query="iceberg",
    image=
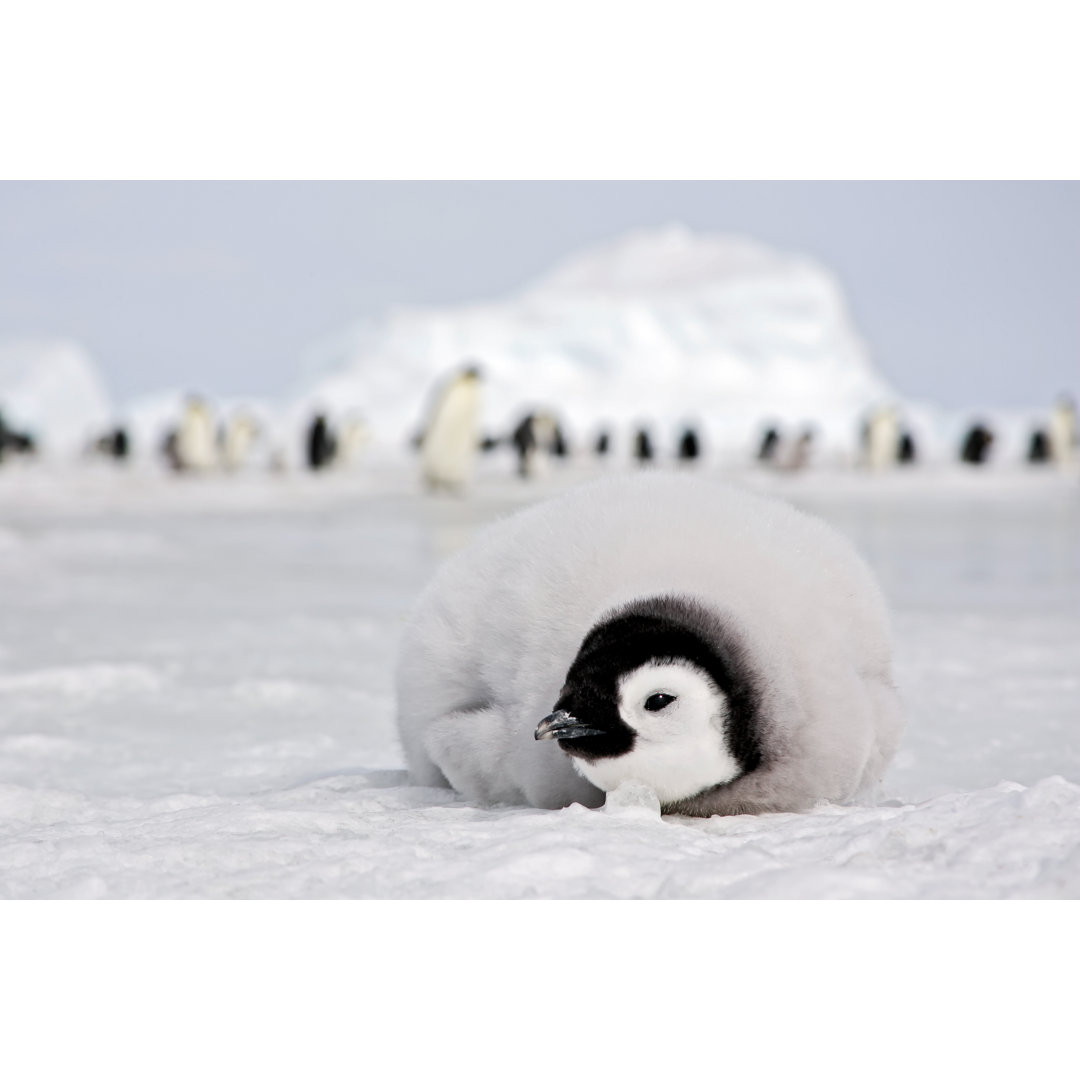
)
(51, 389)
(656, 327)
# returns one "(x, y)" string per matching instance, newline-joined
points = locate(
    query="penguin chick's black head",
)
(658, 630)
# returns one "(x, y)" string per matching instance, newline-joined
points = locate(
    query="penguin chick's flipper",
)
(466, 746)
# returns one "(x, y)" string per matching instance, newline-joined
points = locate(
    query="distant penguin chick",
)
(722, 648)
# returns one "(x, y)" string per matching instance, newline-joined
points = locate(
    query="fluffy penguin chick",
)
(722, 648)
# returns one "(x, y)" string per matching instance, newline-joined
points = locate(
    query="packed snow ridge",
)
(660, 326)
(52, 389)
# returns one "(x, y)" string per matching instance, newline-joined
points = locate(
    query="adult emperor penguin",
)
(450, 440)
(689, 445)
(643, 447)
(237, 437)
(196, 441)
(882, 435)
(1062, 431)
(975, 449)
(769, 449)
(320, 443)
(720, 647)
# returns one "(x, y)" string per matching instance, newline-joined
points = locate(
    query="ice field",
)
(196, 699)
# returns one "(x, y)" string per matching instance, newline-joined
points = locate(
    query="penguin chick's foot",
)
(633, 799)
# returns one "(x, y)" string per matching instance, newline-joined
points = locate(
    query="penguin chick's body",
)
(721, 647)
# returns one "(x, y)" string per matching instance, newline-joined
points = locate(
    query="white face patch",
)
(680, 748)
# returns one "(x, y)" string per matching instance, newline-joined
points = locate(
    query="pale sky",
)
(967, 294)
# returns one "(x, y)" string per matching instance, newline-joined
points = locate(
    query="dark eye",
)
(656, 702)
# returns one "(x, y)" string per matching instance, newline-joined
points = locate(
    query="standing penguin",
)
(121, 444)
(643, 447)
(975, 449)
(882, 438)
(238, 436)
(689, 446)
(195, 446)
(1062, 431)
(15, 442)
(113, 444)
(170, 451)
(722, 648)
(1038, 448)
(770, 446)
(905, 452)
(560, 447)
(524, 441)
(449, 444)
(536, 436)
(798, 456)
(354, 436)
(321, 445)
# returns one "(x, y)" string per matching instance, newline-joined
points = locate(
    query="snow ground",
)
(196, 699)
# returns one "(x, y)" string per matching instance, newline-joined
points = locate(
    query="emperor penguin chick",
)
(720, 647)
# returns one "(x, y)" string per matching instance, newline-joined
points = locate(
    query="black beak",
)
(561, 725)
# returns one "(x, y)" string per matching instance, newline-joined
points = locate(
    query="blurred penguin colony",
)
(659, 348)
(451, 439)
(204, 441)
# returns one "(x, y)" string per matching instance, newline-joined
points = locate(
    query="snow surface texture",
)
(196, 700)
